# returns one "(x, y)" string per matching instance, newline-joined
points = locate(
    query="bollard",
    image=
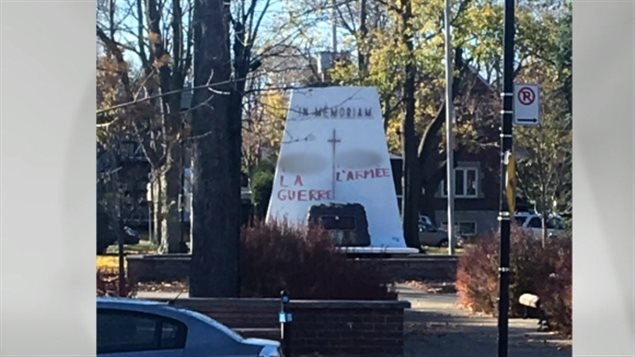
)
(285, 318)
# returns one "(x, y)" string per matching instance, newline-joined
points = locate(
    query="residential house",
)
(477, 170)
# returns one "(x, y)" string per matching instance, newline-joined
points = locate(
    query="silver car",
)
(532, 223)
(430, 235)
(129, 327)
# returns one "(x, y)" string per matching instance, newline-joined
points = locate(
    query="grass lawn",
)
(110, 261)
(441, 250)
(144, 246)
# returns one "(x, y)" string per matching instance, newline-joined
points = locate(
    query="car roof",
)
(122, 301)
(183, 314)
(136, 305)
(525, 213)
(528, 215)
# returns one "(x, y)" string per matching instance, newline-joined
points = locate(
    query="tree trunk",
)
(170, 79)
(171, 235)
(411, 171)
(544, 235)
(431, 163)
(426, 207)
(157, 212)
(362, 46)
(215, 159)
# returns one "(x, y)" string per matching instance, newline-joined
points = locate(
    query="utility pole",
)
(449, 126)
(505, 215)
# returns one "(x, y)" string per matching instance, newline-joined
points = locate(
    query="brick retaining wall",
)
(329, 328)
(169, 267)
(429, 268)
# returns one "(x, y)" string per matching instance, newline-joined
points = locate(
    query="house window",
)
(465, 183)
(127, 149)
(463, 228)
(131, 150)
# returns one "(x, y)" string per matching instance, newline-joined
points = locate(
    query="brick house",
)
(132, 170)
(476, 194)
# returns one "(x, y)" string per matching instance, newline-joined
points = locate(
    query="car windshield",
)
(554, 223)
(520, 220)
(209, 321)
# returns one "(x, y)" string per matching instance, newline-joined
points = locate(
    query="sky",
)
(275, 14)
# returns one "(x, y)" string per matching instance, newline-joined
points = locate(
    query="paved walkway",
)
(435, 326)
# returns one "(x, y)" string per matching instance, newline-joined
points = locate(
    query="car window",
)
(130, 331)
(554, 223)
(427, 227)
(535, 222)
(213, 323)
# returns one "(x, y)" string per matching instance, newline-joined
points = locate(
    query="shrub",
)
(476, 276)
(262, 177)
(534, 269)
(556, 291)
(304, 262)
(261, 187)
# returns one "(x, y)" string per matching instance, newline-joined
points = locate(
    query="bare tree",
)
(159, 35)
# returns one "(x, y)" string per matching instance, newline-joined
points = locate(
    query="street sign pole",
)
(506, 143)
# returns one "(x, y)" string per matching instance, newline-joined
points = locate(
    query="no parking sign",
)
(526, 104)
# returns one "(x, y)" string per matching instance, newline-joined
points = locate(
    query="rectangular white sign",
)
(526, 104)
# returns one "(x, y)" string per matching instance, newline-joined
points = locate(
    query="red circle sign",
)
(526, 96)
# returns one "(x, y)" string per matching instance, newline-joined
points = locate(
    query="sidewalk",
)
(435, 326)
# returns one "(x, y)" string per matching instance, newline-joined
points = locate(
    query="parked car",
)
(107, 233)
(532, 222)
(129, 327)
(431, 235)
(425, 220)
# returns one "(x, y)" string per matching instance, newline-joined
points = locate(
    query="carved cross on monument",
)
(334, 141)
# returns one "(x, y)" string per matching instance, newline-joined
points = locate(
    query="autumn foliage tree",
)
(477, 37)
(545, 152)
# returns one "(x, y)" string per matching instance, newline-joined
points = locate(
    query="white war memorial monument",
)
(334, 169)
